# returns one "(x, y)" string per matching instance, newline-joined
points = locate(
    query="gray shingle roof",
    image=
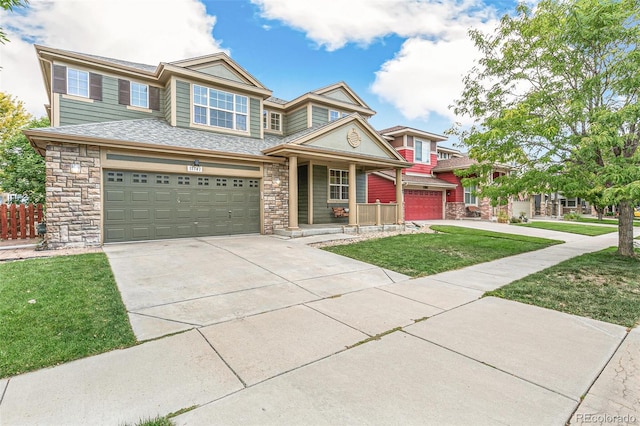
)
(159, 132)
(276, 100)
(136, 65)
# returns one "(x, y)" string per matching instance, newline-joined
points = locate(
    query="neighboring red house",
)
(431, 189)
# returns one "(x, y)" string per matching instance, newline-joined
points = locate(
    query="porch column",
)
(399, 197)
(353, 213)
(293, 192)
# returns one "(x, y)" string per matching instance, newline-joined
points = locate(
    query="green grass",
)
(601, 285)
(604, 221)
(451, 248)
(572, 228)
(59, 309)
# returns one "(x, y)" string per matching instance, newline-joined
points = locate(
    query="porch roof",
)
(422, 181)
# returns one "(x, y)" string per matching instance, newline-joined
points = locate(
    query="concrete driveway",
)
(287, 334)
(173, 285)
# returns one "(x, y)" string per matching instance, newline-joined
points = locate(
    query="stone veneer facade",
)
(73, 205)
(275, 184)
(454, 211)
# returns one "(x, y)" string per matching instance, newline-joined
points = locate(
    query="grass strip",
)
(451, 248)
(572, 228)
(58, 309)
(601, 285)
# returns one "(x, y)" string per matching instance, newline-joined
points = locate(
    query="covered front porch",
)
(327, 175)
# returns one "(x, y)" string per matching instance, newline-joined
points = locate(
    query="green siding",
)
(167, 103)
(303, 194)
(319, 115)
(296, 121)
(222, 71)
(340, 95)
(255, 117)
(78, 112)
(321, 208)
(183, 103)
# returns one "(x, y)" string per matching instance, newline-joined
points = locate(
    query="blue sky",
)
(405, 58)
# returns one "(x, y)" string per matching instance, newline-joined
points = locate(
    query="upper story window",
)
(338, 184)
(334, 115)
(444, 155)
(139, 95)
(77, 82)
(271, 120)
(422, 150)
(214, 107)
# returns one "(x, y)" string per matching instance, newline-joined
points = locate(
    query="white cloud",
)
(147, 31)
(426, 75)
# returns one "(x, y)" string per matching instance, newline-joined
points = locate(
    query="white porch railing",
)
(376, 213)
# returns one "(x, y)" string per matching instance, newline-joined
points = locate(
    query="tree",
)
(13, 116)
(556, 92)
(22, 169)
(9, 5)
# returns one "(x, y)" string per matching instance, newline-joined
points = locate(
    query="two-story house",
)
(198, 147)
(430, 187)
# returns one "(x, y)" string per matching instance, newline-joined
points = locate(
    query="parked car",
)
(636, 212)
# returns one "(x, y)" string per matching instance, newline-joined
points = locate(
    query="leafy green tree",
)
(9, 5)
(22, 169)
(13, 116)
(556, 92)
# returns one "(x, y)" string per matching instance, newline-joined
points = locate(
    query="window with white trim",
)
(334, 115)
(77, 82)
(469, 196)
(271, 120)
(139, 95)
(422, 151)
(217, 108)
(338, 184)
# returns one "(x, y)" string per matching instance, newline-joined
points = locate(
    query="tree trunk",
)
(600, 211)
(625, 229)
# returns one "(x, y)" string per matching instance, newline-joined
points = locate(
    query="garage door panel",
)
(141, 232)
(140, 205)
(140, 214)
(114, 195)
(115, 215)
(162, 196)
(140, 196)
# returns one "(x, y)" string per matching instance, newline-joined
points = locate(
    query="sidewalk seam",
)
(244, 385)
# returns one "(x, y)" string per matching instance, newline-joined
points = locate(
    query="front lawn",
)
(572, 228)
(600, 285)
(452, 247)
(59, 309)
(604, 221)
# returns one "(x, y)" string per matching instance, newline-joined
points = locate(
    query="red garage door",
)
(422, 205)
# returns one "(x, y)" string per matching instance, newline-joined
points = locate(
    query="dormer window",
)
(422, 150)
(334, 115)
(217, 108)
(77, 83)
(271, 120)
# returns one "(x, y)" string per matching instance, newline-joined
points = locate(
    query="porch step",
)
(308, 232)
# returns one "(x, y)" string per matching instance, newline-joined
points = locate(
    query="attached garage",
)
(140, 205)
(422, 204)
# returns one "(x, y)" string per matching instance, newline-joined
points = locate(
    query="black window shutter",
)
(154, 98)
(123, 92)
(95, 86)
(59, 79)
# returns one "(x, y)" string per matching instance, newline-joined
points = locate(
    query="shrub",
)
(515, 219)
(572, 216)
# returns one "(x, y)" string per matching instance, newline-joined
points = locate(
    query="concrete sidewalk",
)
(448, 358)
